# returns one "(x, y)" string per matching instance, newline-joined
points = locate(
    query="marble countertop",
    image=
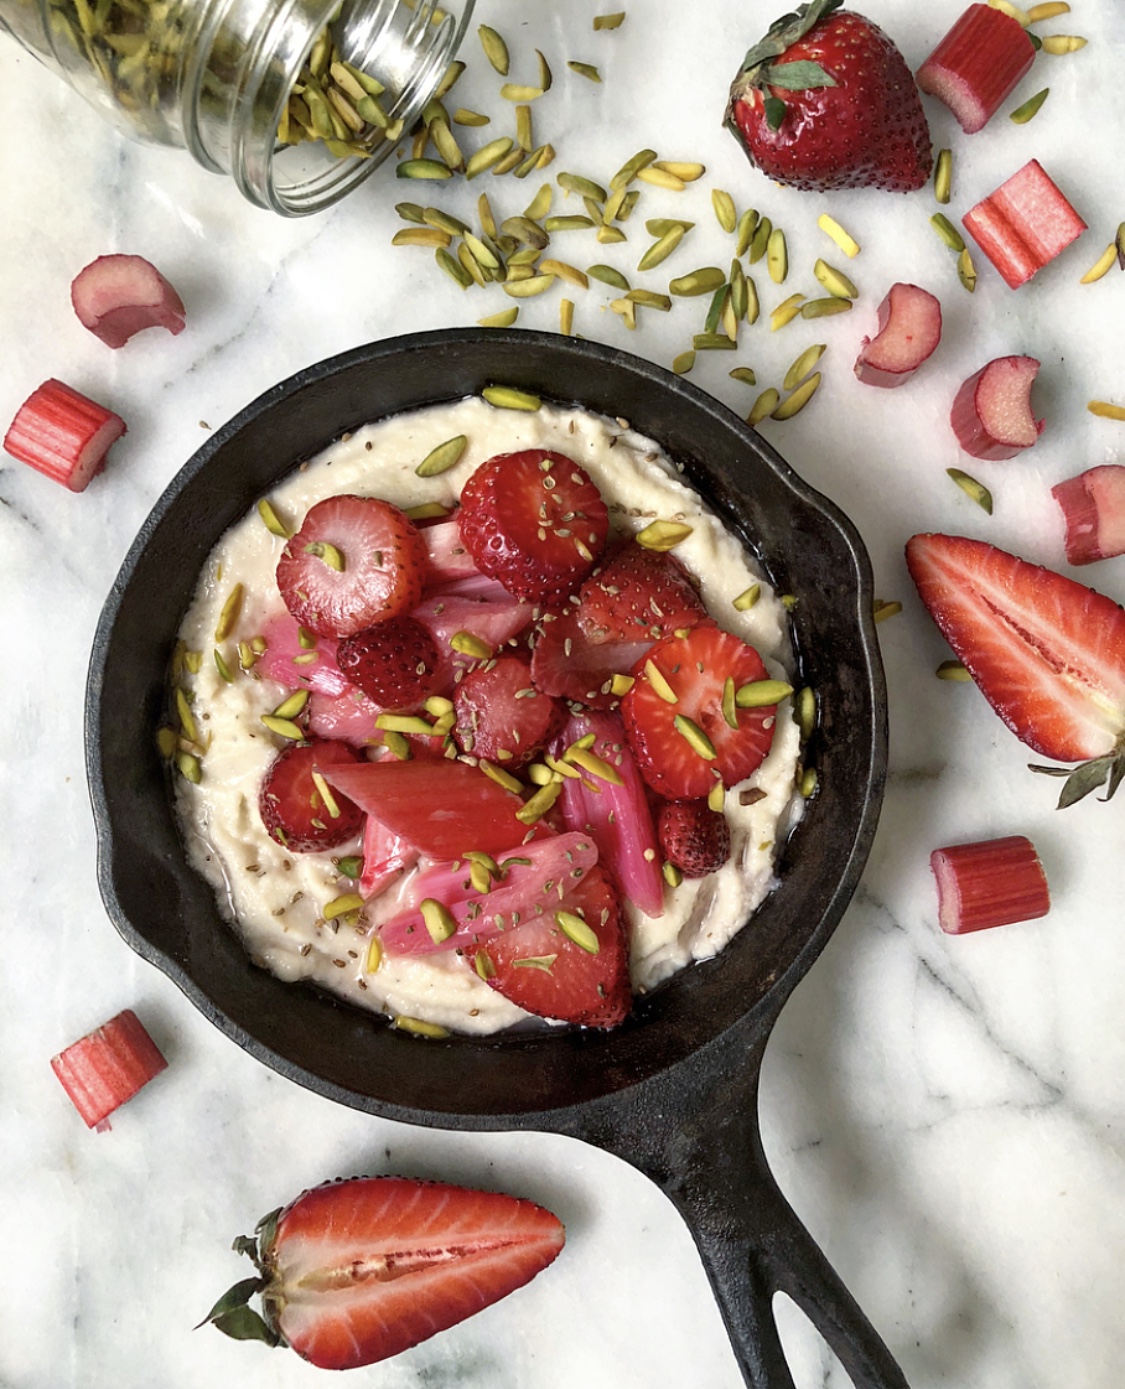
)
(945, 1114)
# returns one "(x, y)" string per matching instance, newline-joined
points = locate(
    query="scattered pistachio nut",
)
(972, 488)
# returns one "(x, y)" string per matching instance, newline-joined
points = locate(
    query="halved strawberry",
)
(501, 716)
(566, 665)
(443, 808)
(396, 663)
(695, 838)
(355, 561)
(292, 807)
(356, 1271)
(1046, 652)
(534, 521)
(695, 669)
(542, 969)
(638, 595)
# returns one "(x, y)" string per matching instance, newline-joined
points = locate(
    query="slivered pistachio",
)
(273, 523)
(587, 70)
(595, 765)
(759, 242)
(539, 803)
(753, 308)
(715, 309)
(803, 365)
(777, 256)
(284, 728)
(972, 488)
(743, 374)
(540, 205)
(686, 170)
(374, 957)
(528, 289)
(795, 403)
(512, 160)
(1030, 108)
(523, 128)
(442, 458)
(609, 21)
(584, 187)
(543, 962)
(1105, 410)
(660, 226)
(559, 768)
(418, 1028)
(831, 228)
(453, 268)
(621, 685)
(463, 116)
(230, 613)
(546, 77)
(648, 299)
(575, 928)
(683, 362)
(628, 203)
(626, 311)
(1050, 10)
(1102, 266)
(486, 157)
(428, 511)
(761, 693)
(189, 767)
(495, 49)
(952, 670)
(825, 308)
(421, 236)
(446, 145)
(725, 211)
(411, 212)
(289, 708)
(328, 554)
(570, 273)
(805, 710)
(510, 398)
(444, 221)
(504, 319)
(342, 906)
(695, 737)
(631, 168)
(607, 275)
(530, 164)
(809, 782)
(221, 666)
(660, 250)
(397, 744)
(661, 178)
(662, 535)
(947, 231)
(943, 176)
(546, 156)
(450, 79)
(967, 271)
(515, 91)
(609, 236)
(437, 705)
(834, 281)
(526, 231)
(575, 222)
(480, 877)
(193, 660)
(885, 608)
(566, 317)
(746, 226)
(500, 776)
(739, 294)
(423, 169)
(765, 405)
(713, 342)
(704, 281)
(786, 312)
(659, 682)
(404, 723)
(526, 256)
(673, 875)
(246, 656)
(729, 709)
(747, 598)
(1063, 43)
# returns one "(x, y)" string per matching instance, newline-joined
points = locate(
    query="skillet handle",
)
(702, 1145)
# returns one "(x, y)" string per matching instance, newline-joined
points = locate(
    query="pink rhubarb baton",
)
(992, 883)
(1093, 504)
(978, 63)
(117, 296)
(909, 329)
(991, 413)
(1024, 224)
(63, 434)
(107, 1067)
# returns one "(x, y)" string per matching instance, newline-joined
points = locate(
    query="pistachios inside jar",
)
(297, 100)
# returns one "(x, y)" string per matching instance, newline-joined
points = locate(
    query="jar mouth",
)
(406, 45)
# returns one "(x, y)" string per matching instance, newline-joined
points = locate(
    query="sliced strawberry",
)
(116, 296)
(386, 856)
(443, 808)
(541, 969)
(291, 805)
(356, 1271)
(566, 665)
(534, 521)
(107, 1067)
(355, 561)
(501, 716)
(638, 595)
(1046, 652)
(395, 663)
(297, 658)
(695, 838)
(696, 669)
(536, 879)
(617, 817)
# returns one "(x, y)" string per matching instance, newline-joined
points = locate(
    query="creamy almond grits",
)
(545, 767)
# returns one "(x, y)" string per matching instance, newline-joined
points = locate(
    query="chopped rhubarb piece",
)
(1093, 504)
(1024, 224)
(449, 558)
(349, 717)
(978, 63)
(909, 330)
(386, 856)
(537, 879)
(494, 623)
(63, 434)
(107, 1067)
(298, 659)
(618, 818)
(117, 296)
(992, 883)
(991, 413)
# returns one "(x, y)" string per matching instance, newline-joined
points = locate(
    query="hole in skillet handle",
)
(167, 913)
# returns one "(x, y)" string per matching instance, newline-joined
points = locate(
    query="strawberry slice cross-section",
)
(356, 1271)
(1045, 651)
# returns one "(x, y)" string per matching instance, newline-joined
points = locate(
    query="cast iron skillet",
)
(674, 1090)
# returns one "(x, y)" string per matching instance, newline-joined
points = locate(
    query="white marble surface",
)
(945, 1114)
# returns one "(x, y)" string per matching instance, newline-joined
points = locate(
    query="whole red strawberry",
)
(395, 663)
(826, 101)
(694, 837)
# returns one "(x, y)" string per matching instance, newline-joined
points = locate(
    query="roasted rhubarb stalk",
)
(991, 413)
(1024, 224)
(977, 65)
(63, 434)
(1093, 504)
(107, 1067)
(117, 296)
(991, 883)
(909, 329)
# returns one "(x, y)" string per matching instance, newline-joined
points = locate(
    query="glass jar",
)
(298, 100)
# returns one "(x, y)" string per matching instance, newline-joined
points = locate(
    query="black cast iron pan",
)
(674, 1090)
